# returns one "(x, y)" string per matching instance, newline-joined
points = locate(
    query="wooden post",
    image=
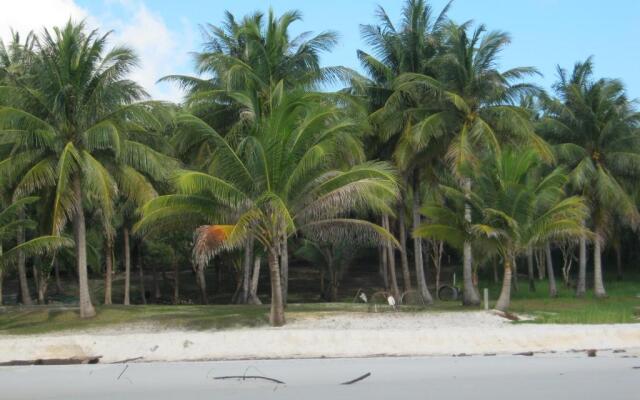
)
(486, 298)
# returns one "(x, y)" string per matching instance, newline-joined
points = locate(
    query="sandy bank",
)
(343, 335)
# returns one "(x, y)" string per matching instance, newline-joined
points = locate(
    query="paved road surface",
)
(569, 376)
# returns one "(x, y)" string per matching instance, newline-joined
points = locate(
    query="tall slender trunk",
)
(25, 295)
(139, 261)
(470, 295)
(618, 262)
(176, 279)
(395, 291)
(34, 273)
(384, 266)
(404, 261)
(581, 287)
(598, 282)
(246, 270)
(417, 245)
(156, 283)
(80, 236)
(108, 273)
(44, 274)
(56, 268)
(276, 318)
(553, 289)
(255, 279)
(496, 278)
(505, 294)
(284, 268)
(202, 284)
(1, 279)
(127, 267)
(530, 272)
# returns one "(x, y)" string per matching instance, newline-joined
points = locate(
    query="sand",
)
(329, 335)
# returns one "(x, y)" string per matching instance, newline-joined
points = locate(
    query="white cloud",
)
(32, 15)
(162, 51)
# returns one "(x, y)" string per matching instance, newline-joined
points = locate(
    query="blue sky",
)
(544, 32)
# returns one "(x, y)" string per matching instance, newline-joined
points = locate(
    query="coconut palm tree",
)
(515, 208)
(10, 223)
(476, 113)
(74, 117)
(288, 176)
(595, 128)
(244, 61)
(408, 47)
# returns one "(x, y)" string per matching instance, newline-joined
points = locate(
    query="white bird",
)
(363, 297)
(392, 302)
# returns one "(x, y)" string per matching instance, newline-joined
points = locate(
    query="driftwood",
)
(53, 361)
(243, 377)
(358, 379)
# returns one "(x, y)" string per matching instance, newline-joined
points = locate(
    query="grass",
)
(622, 306)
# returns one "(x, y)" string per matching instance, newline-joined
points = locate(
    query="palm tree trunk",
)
(470, 295)
(284, 268)
(108, 273)
(1, 278)
(202, 284)
(505, 294)
(25, 296)
(404, 262)
(598, 283)
(156, 283)
(417, 248)
(127, 267)
(58, 283)
(143, 295)
(530, 272)
(176, 279)
(553, 289)
(276, 318)
(384, 266)
(618, 262)
(36, 276)
(80, 237)
(255, 279)
(395, 291)
(581, 287)
(246, 270)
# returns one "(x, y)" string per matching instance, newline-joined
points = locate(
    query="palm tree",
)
(515, 209)
(595, 128)
(287, 176)
(10, 223)
(244, 61)
(408, 47)
(70, 121)
(476, 111)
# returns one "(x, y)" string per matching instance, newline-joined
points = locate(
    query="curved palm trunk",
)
(553, 289)
(417, 251)
(598, 282)
(276, 317)
(255, 278)
(530, 272)
(127, 267)
(80, 236)
(404, 262)
(395, 291)
(108, 273)
(284, 267)
(25, 295)
(246, 270)
(470, 295)
(384, 270)
(202, 285)
(581, 287)
(505, 294)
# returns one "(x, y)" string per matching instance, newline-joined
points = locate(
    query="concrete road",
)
(569, 376)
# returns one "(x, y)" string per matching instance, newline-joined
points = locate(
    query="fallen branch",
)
(358, 379)
(126, 360)
(243, 377)
(53, 361)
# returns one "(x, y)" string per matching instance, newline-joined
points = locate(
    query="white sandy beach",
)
(331, 335)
